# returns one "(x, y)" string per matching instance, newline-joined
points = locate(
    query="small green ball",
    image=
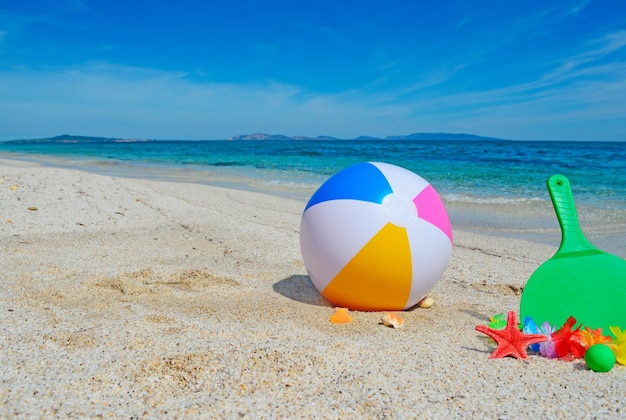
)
(600, 358)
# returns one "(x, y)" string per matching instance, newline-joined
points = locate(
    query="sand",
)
(136, 298)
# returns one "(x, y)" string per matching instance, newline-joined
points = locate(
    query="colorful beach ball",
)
(375, 237)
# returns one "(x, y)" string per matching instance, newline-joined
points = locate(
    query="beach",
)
(140, 298)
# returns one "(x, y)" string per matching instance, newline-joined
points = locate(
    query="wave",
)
(474, 199)
(228, 163)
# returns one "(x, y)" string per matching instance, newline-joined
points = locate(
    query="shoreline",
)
(531, 220)
(130, 297)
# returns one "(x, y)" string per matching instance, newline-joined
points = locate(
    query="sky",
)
(524, 70)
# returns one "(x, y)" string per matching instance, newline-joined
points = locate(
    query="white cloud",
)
(47, 13)
(579, 97)
(576, 9)
(105, 99)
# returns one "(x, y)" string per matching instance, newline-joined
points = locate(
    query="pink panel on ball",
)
(431, 208)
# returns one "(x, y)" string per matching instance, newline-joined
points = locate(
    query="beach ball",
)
(375, 237)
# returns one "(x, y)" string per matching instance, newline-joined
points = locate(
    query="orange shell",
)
(341, 316)
(392, 319)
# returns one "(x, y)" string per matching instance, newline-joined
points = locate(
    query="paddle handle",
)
(572, 237)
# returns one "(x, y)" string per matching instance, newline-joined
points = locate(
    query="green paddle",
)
(579, 280)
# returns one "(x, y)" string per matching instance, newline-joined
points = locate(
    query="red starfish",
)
(511, 341)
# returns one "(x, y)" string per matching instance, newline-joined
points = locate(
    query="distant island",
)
(414, 136)
(441, 136)
(68, 138)
(263, 136)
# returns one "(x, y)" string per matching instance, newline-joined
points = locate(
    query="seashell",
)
(392, 319)
(426, 303)
(13, 187)
(9, 220)
(341, 316)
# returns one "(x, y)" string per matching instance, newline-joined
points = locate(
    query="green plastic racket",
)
(579, 280)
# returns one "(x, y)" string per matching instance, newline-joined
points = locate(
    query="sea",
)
(490, 187)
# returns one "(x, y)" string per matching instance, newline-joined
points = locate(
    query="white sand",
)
(133, 298)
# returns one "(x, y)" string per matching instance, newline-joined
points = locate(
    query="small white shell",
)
(426, 303)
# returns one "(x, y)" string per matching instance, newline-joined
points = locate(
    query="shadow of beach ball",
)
(375, 237)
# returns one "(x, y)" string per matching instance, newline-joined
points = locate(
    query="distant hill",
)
(67, 138)
(263, 136)
(414, 136)
(440, 136)
(260, 136)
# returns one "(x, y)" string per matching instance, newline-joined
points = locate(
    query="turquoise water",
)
(493, 187)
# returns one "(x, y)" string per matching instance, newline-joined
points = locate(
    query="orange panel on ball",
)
(378, 277)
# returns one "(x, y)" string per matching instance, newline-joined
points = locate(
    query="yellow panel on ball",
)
(380, 271)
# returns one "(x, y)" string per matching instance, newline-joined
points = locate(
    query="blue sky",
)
(209, 70)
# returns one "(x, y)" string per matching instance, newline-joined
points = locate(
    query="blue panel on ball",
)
(363, 181)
